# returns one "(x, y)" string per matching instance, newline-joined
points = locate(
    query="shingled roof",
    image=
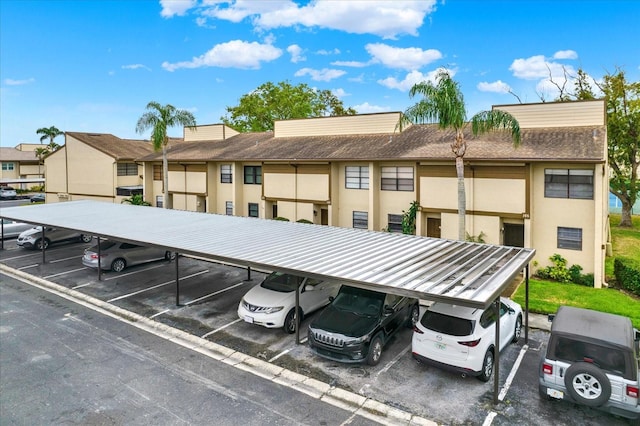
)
(113, 146)
(12, 154)
(418, 142)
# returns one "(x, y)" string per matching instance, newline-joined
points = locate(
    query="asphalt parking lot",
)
(209, 294)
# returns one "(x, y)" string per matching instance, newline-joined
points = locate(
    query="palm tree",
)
(159, 118)
(49, 133)
(443, 103)
(41, 152)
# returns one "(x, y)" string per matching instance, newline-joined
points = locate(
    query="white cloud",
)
(387, 19)
(537, 67)
(175, 7)
(12, 82)
(495, 87)
(367, 108)
(410, 58)
(135, 67)
(353, 64)
(296, 53)
(233, 54)
(412, 78)
(328, 52)
(565, 54)
(324, 74)
(339, 93)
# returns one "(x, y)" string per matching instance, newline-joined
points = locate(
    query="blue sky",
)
(92, 66)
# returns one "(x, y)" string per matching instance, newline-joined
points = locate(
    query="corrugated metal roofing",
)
(468, 274)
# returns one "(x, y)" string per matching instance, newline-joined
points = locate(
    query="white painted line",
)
(64, 273)
(159, 313)
(29, 266)
(393, 361)
(155, 286)
(132, 272)
(212, 294)
(280, 354)
(513, 372)
(489, 419)
(66, 258)
(220, 328)
(82, 285)
(21, 256)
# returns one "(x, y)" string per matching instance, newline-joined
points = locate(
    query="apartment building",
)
(360, 171)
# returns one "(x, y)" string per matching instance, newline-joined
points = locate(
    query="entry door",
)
(433, 227)
(324, 216)
(514, 235)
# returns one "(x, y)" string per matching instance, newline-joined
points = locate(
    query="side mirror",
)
(309, 287)
(512, 311)
(331, 299)
(388, 310)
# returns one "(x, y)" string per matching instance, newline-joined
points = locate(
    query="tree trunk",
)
(165, 177)
(462, 199)
(625, 217)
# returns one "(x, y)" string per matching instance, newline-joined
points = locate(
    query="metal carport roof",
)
(464, 273)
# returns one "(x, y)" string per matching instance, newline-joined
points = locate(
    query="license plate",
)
(441, 346)
(555, 393)
(248, 319)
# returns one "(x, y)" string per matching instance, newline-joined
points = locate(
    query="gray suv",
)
(592, 359)
(32, 238)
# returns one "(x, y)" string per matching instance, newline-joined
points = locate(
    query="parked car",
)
(37, 198)
(272, 303)
(592, 358)
(462, 339)
(358, 323)
(11, 228)
(7, 193)
(32, 238)
(117, 255)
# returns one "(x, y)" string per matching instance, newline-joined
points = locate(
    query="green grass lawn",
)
(546, 296)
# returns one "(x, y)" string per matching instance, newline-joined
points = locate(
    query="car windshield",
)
(359, 301)
(446, 324)
(283, 283)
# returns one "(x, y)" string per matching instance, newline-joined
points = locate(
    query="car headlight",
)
(357, 341)
(273, 309)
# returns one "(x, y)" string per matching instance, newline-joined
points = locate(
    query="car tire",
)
(487, 366)
(290, 321)
(414, 315)
(587, 384)
(118, 265)
(86, 238)
(375, 351)
(39, 244)
(517, 329)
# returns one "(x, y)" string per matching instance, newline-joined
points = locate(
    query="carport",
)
(462, 273)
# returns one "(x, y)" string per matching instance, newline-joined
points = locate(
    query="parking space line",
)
(132, 272)
(280, 354)
(82, 285)
(393, 361)
(28, 267)
(64, 273)
(19, 257)
(513, 372)
(489, 419)
(155, 286)
(213, 294)
(220, 328)
(66, 258)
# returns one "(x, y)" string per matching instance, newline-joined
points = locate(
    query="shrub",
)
(627, 272)
(284, 219)
(559, 272)
(476, 239)
(303, 221)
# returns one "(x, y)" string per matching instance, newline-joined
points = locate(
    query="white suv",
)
(592, 359)
(462, 339)
(32, 238)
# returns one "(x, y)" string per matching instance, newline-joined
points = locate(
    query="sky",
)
(93, 65)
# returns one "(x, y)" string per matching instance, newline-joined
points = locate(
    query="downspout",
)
(295, 191)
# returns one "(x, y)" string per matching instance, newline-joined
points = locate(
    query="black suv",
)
(592, 359)
(358, 323)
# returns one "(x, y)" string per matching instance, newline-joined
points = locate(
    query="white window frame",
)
(396, 178)
(226, 173)
(569, 238)
(360, 220)
(356, 177)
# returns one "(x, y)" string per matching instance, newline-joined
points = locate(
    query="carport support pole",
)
(526, 305)
(177, 282)
(2, 236)
(248, 273)
(44, 260)
(496, 355)
(99, 261)
(297, 317)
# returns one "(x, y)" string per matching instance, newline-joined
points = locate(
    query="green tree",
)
(135, 200)
(41, 152)
(159, 118)
(49, 133)
(443, 103)
(257, 111)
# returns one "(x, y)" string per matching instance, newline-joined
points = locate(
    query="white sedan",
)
(462, 339)
(272, 303)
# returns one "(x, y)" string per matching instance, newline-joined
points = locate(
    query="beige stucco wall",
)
(55, 166)
(90, 171)
(31, 170)
(557, 114)
(496, 195)
(208, 132)
(342, 125)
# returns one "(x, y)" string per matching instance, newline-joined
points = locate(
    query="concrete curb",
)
(349, 401)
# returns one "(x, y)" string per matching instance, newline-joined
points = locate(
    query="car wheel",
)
(290, 321)
(118, 265)
(169, 255)
(375, 351)
(40, 245)
(86, 238)
(517, 330)
(587, 384)
(487, 366)
(414, 316)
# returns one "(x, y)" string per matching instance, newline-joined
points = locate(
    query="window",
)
(127, 169)
(361, 220)
(127, 191)
(159, 199)
(225, 174)
(397, 179)
(228, 208)
(8, 167)
(157, 172)
(395, 223)
(570, 238)
(564, 183)
(253, 175)
(253, 209)
(357, 177)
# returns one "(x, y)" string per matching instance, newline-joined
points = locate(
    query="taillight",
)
(632, 391)
(417, 330)
(471, 344)
(547, 368)
(95, 256)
